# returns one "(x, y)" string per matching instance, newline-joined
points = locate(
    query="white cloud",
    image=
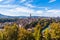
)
(45, 8)
(30, 5)
(7, 1)
(53, 11)
(8, 6)
(22, 1)
(22, 9)
(1, 0)
(39, 12)
(12, 10)
(11, 2)
(52, 1)
(19, 11)
(27, 3)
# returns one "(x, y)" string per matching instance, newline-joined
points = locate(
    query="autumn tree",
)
(47, 35)
(24, 34)
(1, 35)
(10, 32)
(37, 32)
(55, 30)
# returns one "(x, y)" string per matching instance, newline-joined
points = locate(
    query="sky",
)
(50, 8)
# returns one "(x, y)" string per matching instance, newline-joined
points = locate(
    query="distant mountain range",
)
(5, 16)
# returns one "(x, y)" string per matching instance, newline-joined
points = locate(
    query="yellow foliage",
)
(37, 32)
(55, 30)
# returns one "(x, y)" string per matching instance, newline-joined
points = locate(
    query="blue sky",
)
(35, 7)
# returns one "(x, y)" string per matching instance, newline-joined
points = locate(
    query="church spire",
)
(30, 15)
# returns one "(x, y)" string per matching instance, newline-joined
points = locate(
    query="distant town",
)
(22, 22)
